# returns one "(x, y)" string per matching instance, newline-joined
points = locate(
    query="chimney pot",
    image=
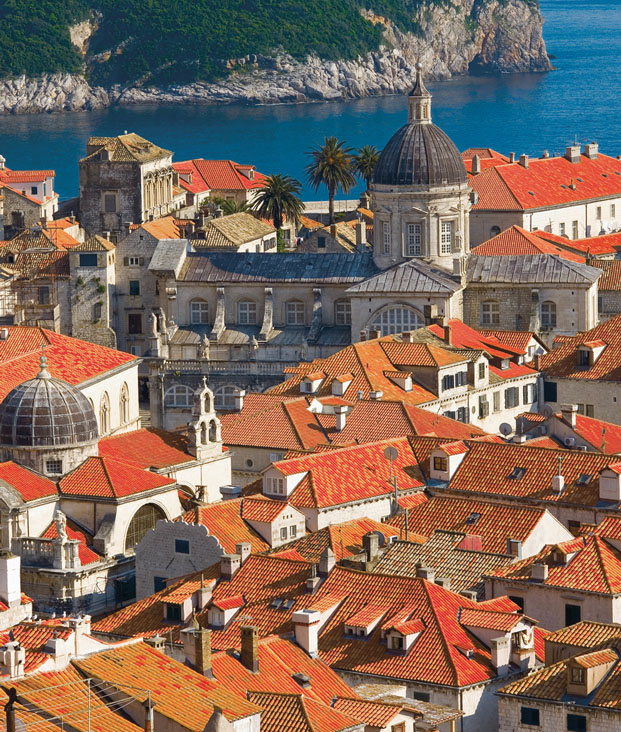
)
(512, 157)
(229, 564)
(568, 413)
(239, 399)
(476, 165)
(250, 647)
(524, 160)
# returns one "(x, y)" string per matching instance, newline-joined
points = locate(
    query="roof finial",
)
(43, 373)
(419, 99)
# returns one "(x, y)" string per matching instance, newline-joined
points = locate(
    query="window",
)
(450, 414)
(590, 410)
(97, 311)
(104, 413)
(529, 715)
(110, 202)
(519, 601)
(283, 533)
(494, 231)
(321, 242)
(448, 382)
(342, 312)
(598, 213)
(159, 583)
(246, 312)
(397, 320)
(573, 614)
(386, 237)
(483, 407)
(144, 520)
(294, 312)
(576, 723)
(446, 237)
(512, 397)
(482, 370)
(561, 229)
(224, 397)
(440, 464)
(422, 696)
(584, 357)
(293, 531)
(414, 238)
(549, 391)
(54, 467)
(173, 612)
(199, 312)
(574, 230)
(580, 408)
(44, 295)
(496, 399)
(179, 395)
(396, 643)
(124, 404)
(490, 312)
(400, 727)
(133, 261)
(134, 287)
(462, 414)
(34, 190)
(577, 675)
(134, 323)
(88, 260)
(182, 546)
(613, 210)
(548, 314)
(528, 393)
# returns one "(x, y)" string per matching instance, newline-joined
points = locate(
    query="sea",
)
(521, 113)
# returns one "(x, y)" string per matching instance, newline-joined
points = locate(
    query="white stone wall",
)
(112, 383)
(605, 396)
(549, 530)
(290, 519)
(552, 717)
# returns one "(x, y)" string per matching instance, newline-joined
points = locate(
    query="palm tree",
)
(232, 207)
(332, 167)
(365, 161)
(278, 199)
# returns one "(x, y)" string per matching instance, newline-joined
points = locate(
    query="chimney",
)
(512, 157)
(572, 153)
(426, 573)
(524, 160)
(377, 394)
(326, 562)
(205, 592)
(370, 543)
(361, 235)
(448, 332)
(375, 333)
(341, 417)
(539, 572)
(72, 218)
(12, 660)
(430, 312)
(476, 165)
(244, 550)
(250, 647)
(514, 548)
(591, 150)
(157, 641)
(407, 337)
(363, 335)
(4, 334)
(218, 722)
(501, 652)
(312, 583)
(469, 594)
(444, 582)
(333, 231)
(197, 650)
(239, 399)
(537, 362)
(148, 714)
(10, 583)
(558, 483)
(307, 630)
(545, 155)
(568, 413)
(229, 564)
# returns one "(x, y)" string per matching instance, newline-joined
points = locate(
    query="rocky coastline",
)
(504, 37)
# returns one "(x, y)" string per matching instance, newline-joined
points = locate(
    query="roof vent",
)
(302, 680)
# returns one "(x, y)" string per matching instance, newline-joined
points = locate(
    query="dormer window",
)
(396, 642)
(504, 364)
(517, 473)
(584, 358)
(440, 463)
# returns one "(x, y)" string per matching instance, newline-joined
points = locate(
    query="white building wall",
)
(552, 717)
(112, 384)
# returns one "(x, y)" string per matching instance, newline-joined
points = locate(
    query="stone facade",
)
(552, 715)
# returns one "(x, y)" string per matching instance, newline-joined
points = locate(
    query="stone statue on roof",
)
(61, 525)
(203, 347)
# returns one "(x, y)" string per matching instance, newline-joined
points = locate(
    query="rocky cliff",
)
(465, 36)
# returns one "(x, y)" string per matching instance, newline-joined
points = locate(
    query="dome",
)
(46, 412)
(419, 153)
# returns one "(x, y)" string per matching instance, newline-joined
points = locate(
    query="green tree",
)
(232, 207)
(331, 166)
(365, 161)
(279, 199)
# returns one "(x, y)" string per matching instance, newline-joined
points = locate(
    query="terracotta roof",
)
(181, 695)
(109, 478)
(609, 528)
(223, 520)
(220, 175)
(518, 339)
(602, 436)
(33, 637)
(163, 228)
(25, 176)
(441, 640)
(372, 713)
(147, 448)
(546, 182)
(349, 474)
(494, 523)
(69, 359)
(585, 634)
(562, 361)
(30, 485)
(593, 245)
(518, 241)
(595, 567)
(297, 713)
(490, 620)
(611, 279)
(230, 232)
(126, 148)
(264, 510)
(94, 243)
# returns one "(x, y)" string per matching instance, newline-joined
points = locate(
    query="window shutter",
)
(126, 261)
(141, 261)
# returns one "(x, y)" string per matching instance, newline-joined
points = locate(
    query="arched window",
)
(548, 314)
(224, 397)
(246, 312)
(295, 312)
(144, 519)
(490, 312)
(199, 312)
(494, 231)
(213, 431)
(178, 395)
(397, 320)
(203, 433)
(124, 404)
(342, 312)
(104, 414)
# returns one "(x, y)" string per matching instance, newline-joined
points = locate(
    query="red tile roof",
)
(593, 245)
(166, 227)
(602, 436)
(516, 241)
(68, 358)
(223, 520)
(463, 336)
(297, 713)
(546, 182)
(372, 713)
(147, 448)
(25, 176)
(475, 618)
(28, 484)
(264, 510)
(218, 175)
(109, 478)
(585, 634)
(86, 554)
(611, 279)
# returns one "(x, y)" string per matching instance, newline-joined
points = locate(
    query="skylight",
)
(584, 479)
(473, 518)
(517, 473)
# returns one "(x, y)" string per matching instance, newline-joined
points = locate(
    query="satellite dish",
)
(390, 453)
(505, 429)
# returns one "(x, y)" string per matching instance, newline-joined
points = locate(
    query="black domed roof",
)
(46, 412)
(420, 154)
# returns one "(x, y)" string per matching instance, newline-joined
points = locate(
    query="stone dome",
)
(420, 155)
(46, 412)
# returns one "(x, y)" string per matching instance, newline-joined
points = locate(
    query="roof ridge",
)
(498, 173)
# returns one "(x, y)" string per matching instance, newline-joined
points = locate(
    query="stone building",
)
(125, 180)
(221, 179)
(238, 232)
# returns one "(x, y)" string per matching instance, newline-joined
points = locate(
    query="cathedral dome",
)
(420, 153)
(46, 412)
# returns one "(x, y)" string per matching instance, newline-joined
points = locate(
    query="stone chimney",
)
(374, 334)
(326, 561)
(229, 564)
(501, 653)
(448, 334)
(341, 417)
(512, 157)
(568, 413)
(572, 153)
(426, 573)
(361, 235)
(218, 722)
(239, 399)
(524, 160)
(307, 630)
(539, 572)
(244, 549)
(250, 647)
(197, 650)
(363, 335)
(370, 543)
(476, 165)
(376, 394)
(591, 150)
(10, 583)
(430, 312)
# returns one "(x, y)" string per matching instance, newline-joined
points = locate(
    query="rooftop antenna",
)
(391, 454)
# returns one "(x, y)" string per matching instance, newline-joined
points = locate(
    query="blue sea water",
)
(512, 113)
